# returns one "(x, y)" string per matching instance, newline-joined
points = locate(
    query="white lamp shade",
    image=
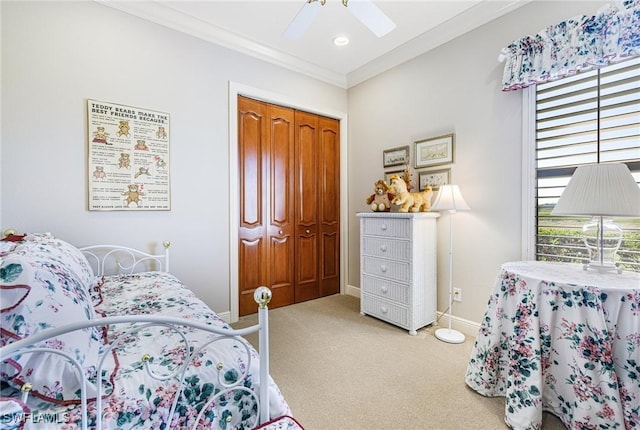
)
(600, 190)
(449, 198)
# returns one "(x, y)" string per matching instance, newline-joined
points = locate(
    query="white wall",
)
(56, 55)
(455, 89)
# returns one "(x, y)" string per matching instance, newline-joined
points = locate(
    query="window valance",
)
(580, 43)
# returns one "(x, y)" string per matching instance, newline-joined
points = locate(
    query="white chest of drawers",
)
(398, 267)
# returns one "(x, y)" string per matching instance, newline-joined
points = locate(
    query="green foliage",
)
(564, 243)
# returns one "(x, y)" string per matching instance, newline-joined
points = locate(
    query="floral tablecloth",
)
(557, 338)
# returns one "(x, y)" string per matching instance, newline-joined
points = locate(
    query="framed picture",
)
(434, 151)
(388, 175)
(128, 158)
(434, 179)
(395, 156)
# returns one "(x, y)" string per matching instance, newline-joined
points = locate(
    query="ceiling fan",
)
(364, 10)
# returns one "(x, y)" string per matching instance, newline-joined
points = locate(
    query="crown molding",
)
(472, 18)
(162, 14)
(166, 16)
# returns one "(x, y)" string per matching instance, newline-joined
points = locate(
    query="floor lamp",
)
(450, 199)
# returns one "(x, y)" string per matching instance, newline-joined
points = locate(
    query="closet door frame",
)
(235, 90)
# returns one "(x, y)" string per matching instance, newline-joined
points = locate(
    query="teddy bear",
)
(414, 202)
(380, 200)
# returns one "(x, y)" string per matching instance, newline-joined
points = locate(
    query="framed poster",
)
(128, 165)
(434, 179)
(395, 156)
(388, 175)
(434, 151)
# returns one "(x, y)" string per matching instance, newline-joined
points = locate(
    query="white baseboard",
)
(470, 328)
(226, 316)
(350, 290)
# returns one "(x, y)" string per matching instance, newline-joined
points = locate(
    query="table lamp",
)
(450, 199)
(601, 191)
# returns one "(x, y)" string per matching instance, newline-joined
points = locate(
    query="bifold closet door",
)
(329, 205)
(266, 241)
(289, 229)
(317, 208)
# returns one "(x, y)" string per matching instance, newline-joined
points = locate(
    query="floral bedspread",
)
(560, 339)
(133, 398)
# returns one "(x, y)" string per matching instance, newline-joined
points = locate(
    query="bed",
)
(106, 337)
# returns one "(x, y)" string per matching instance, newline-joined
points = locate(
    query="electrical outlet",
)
(457, 294)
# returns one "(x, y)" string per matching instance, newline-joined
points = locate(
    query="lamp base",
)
(602, 238)
(449, 335)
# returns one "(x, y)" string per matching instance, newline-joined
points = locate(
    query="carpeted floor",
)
(340, 370)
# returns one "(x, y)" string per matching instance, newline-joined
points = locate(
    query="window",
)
(591, 117)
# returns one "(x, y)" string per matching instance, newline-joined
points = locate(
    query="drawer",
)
(388, 248)
(389, 227)
(387, 289)
(384, 310)
(390, 269)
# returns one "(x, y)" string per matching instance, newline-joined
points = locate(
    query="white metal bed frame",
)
(125, 259)
(129, 260)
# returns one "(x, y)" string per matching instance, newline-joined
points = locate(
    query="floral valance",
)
(580, 43)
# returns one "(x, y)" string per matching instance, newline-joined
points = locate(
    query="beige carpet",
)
(340, 370)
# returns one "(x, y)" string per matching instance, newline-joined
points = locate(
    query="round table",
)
(558, 338)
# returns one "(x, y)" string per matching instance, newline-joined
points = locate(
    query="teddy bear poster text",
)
(128, 158)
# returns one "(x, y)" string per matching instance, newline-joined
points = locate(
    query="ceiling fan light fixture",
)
(303, 19)
(371, 16)
(363, 10)
(341, 40)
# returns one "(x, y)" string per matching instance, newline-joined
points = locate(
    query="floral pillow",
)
(37, 295)
(61, 256)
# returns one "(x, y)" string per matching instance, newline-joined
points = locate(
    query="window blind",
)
(590, 117)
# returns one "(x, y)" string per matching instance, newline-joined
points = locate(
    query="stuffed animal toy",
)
(414, 202)
(380, 200)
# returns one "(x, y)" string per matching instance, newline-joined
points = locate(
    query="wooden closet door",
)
(329, 205)
(280, 230)
(307, 193)
(252, 249)
(266, 246)
(289, 232)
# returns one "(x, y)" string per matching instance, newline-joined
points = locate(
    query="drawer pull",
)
(383, 268)
(383, 309)
(280, 232)
(383, 248)
(384, 290)
(383, 227)
(307, 231)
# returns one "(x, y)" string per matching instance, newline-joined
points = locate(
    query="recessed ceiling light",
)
(340, 40)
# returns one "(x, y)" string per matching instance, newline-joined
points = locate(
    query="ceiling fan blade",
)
(302, 20)
(371, 16)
